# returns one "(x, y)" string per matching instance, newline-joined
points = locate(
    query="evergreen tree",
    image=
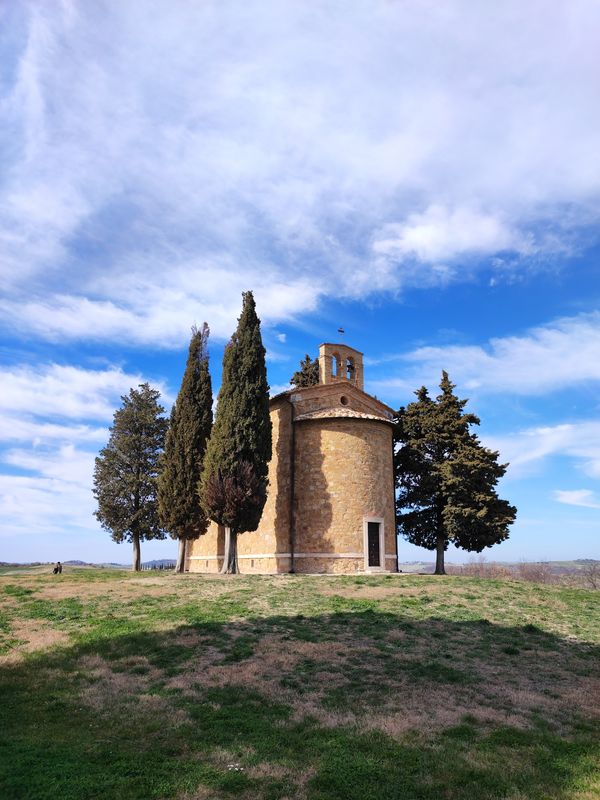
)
(126, 471)
(446, 478)
(233, 487)
(308, 374)
(191, 420)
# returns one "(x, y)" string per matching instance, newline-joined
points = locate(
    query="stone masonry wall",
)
(206, 553)
(344, 473)
(317, 398)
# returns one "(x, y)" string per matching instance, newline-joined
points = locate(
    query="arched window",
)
(350, 368)
(336, 365)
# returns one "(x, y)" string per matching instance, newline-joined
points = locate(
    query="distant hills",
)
(162, 563)
(426, 567)
(76, 563)
(552, 567)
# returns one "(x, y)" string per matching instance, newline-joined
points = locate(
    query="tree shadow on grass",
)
(353, 704)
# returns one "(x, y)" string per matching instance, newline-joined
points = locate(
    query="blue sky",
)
(426, 175)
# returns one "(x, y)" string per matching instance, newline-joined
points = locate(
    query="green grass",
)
(134, 687)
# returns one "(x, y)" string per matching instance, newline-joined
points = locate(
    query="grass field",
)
(117, 685)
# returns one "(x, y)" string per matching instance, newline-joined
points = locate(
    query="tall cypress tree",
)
(126, 471)
(446, 479)
(191, 421)
(233, 487)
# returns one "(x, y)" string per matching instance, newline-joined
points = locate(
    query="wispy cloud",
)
(34, 504)
(527, 449)
(208, 148)
(439, 235)
(560, 354)
(577, 497)
(54, 390)
(159, 311)
(48, 490)
(15, 427)
(65, 464)
(53, 420)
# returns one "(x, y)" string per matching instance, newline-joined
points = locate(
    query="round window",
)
(344, 400)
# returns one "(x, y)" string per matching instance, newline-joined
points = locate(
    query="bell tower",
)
(339, 363)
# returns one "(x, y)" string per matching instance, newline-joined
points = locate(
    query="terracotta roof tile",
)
(341, 413)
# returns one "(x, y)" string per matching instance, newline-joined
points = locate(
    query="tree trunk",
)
(180, 565)
(439, 557)
(230, 560)
(137, 553)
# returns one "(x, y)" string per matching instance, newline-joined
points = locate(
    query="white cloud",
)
(16, 428)
(527, 449)
(577, 497)
(160, 314)
(208, 148)
(560, 354)
(55, 390)
(564, 354)
(46, 411)
(33, 504)
(64, 464)
(278, 388)
(441, 234)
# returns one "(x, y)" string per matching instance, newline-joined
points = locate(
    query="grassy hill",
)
(116, 685)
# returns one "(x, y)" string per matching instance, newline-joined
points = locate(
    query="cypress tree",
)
(308, 374)
(181, 513)
(233, 487)
(126, 471)
(446, 479)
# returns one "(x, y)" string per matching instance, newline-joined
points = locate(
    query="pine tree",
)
(308, 374)
(126, 471)
(191, 421)
(446, 478)
(233, 488)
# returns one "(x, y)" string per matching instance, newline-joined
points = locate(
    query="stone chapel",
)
(330, 501)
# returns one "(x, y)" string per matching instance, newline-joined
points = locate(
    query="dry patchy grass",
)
(31, 636)
(413, 663)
